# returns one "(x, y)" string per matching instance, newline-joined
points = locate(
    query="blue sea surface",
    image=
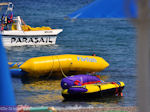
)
(112, 39)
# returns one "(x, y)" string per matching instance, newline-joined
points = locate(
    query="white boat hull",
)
(20, 38)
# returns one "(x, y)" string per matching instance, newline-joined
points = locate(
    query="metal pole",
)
(143, 57)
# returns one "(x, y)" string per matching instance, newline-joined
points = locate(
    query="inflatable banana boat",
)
(67, 63)
(87, 86)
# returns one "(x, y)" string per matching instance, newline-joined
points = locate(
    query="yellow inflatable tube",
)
(66, 63)
(94, 90)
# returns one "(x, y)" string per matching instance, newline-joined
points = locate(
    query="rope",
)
(119, 93)
(50, 74)
(61, 68)
(23, 24)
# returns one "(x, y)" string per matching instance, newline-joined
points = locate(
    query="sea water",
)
(112, 39)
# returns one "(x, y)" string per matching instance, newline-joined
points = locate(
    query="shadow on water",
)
(104, 99)
(95, 102)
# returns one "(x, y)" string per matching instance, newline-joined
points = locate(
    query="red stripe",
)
(93, 82)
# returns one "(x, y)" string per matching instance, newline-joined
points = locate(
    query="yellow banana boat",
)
(67, 63)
